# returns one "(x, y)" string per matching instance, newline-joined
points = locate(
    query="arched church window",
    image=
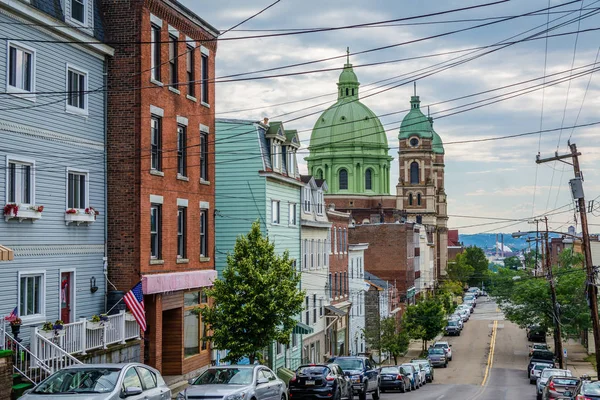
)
(346, 91)
(414, 172)
(418, 199)
(352, 92)
(369, 179)
(319, 174)
(410, 199)
(343, 179)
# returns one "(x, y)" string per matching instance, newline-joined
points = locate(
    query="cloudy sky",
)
(490, 183)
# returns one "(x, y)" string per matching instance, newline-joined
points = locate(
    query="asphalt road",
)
(474, 373)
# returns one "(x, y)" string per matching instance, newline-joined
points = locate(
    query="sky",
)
(489, 184)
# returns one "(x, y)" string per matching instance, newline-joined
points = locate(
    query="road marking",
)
(491, 355)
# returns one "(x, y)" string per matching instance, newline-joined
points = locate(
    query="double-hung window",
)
(306, 202)
(181, 250)
(31, 295)
(20, 182)
(275, 154)
(155, 52)
(292, 214)
(181, 150)
(77, 190)
(204, 156)
(173, 57)
(307, 310)
(78, 10)
(203, 233)
(77, 83)
(21, 69)
(275, 211)
(155, 143)
(204, 94)
(314, 300)
(155, 231)
(291, 162)
(191, 78)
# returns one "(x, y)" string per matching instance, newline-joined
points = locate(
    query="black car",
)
(319, 381)
(363, 374)
(536, 333)
(395, 378)
(540, 356)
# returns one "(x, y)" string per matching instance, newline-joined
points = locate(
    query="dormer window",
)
(306, 199)
(276, 154)
(78, 10)
(291, 161)
(320, 202)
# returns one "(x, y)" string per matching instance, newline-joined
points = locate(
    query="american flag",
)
(13, 315)
(135, 302)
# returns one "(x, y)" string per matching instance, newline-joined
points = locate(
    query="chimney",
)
(266, 120)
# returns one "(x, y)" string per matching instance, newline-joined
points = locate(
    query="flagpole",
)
(116, 304)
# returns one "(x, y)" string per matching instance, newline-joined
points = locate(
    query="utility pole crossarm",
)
(539, 160)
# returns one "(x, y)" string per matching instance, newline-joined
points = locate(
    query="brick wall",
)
(338, 262)
(6, 372)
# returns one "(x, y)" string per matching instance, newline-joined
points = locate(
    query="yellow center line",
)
(491, 354)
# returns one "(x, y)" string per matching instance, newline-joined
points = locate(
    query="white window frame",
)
(87, 186)
(85, 22)
(21, 160)
(158, 231)
(34, 318)
(305, 254)
(275, 204)
(312, 253)
(291, 161)
(306, 201)
(320, 201)
(292, 211)
(22, 93)
(72, 109)
(275, 154)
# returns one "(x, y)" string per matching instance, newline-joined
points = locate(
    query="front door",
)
(65, 296)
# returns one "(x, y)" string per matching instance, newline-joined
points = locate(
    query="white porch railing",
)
(25, 363)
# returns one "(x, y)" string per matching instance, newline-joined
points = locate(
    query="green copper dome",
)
(436, 143)
(415, 122)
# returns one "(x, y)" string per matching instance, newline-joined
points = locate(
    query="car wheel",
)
(376, 394)
(350, 393)
(532, 381)
(338, 395)
(539, 396)
(446, 365)
(283, 397)
(362, 395)
(402, 388)
(450, 359)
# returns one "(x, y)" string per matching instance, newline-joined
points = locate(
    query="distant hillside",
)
(487, 241)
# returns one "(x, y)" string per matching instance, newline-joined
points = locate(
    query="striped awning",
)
(6, 254)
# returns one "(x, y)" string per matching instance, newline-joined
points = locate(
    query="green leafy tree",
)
(256, 301)
(475, 257)
(460, 270)
(531, 258)
(453, 287)
(425, 320)
(512, 262)
(568, 258)
(446, 300)
(392, 341)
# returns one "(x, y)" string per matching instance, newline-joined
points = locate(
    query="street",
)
(474, 374)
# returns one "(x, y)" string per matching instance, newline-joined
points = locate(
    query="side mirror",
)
(450, 345)
(191, 381)
(132, 391)
(262, 381)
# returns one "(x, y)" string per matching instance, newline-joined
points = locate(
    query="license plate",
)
(309, 383)
(387, 378)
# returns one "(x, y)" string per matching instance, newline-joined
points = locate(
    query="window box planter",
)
(31, 213)
(129, 317)
(52, 334)
(92, 326)
(79, 218)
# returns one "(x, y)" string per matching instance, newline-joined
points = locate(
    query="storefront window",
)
(194, 327)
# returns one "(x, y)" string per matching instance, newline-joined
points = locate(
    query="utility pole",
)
(577, 190)
(555, 308)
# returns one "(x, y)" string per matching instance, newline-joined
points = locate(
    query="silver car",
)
(236, 382)
(421, 372)
(545, 375)
(102, 382)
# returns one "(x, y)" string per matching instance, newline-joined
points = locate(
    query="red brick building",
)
(455, 247)
(160, 171)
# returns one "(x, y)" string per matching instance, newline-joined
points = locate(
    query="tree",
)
(453, 287)
(425, 320)
(475, 257)
(392, 341)
(256, 301)
(512, 262)
(460, 270)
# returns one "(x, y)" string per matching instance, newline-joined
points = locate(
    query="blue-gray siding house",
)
(52, 155)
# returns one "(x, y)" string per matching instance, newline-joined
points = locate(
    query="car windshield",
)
(389, 370)
(540, 367)
(441, 345)
(436, 351)
(554, 372)
(591, 388)
(408, 368)
(80, 380)
(349, 364)
(226, 376)
(312, 370)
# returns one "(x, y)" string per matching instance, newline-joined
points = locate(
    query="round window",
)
(414, 142)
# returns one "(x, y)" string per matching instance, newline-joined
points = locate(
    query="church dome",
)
(415, 123)
(436, 143)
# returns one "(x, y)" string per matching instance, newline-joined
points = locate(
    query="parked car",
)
(540, 356)
(363, 374)
(318, 381)
(103, 382)
(545, 376)
(558, 385)
(236, 381)
(395, 378)
(474, 291)
(465, 314)
(471, 303)
(447, 348)
(537, 369)
(470, 300)
(437, 357)
(453, 328)
(428, 368)
(421, 371)
(536, 333)
(412, 373)
(537, 346)
(586, 389)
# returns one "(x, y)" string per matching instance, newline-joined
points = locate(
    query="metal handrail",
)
(29, 365)
(57, 349)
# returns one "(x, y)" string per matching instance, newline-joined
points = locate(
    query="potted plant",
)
(48, 331)
(11, 208)
(15, 326)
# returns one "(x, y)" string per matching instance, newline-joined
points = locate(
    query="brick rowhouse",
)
(161, 186)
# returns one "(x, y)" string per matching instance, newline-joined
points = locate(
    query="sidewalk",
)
(414, 350)
(576, 362)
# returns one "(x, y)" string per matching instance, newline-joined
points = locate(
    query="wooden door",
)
(65, 296)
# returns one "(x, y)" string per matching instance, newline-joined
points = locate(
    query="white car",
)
(421, 373)
(464, 314)
(536, 371)
(447, 348)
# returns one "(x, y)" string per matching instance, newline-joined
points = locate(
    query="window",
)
(191, 79)
(306, 202)
(319, 253)
(291, 162)
(78, 10)
(173, 57)
(314, 308)
(77, 190)
(280, 349)
(193, 326)
(410, 199)
(418, 199)
(275, 154)
(155, 231)
(148, 378)
(368, 179)
(320, 202)
(204, 156)
(204, 60)
(321, 307)
(181, 232)
(343, 177)
(306, 311)
(335, 284)
(414, 172)
(20, 69)
(155, 53)
(20, 182)
(155, 143)
(131, 379)
(76, 90)
(275, 211)
(203, 233)
(345, 248)
(352, 268)
(292, 214)
(181, 150)
(330, 283)
(325, 250)
(335, 241)
(31, 295)
(312, 253)
(294, 340)
(340, 241)
(305, 253)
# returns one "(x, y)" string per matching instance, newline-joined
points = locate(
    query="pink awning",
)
(171, 282)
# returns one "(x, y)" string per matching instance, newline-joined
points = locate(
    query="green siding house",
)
(257, 179)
